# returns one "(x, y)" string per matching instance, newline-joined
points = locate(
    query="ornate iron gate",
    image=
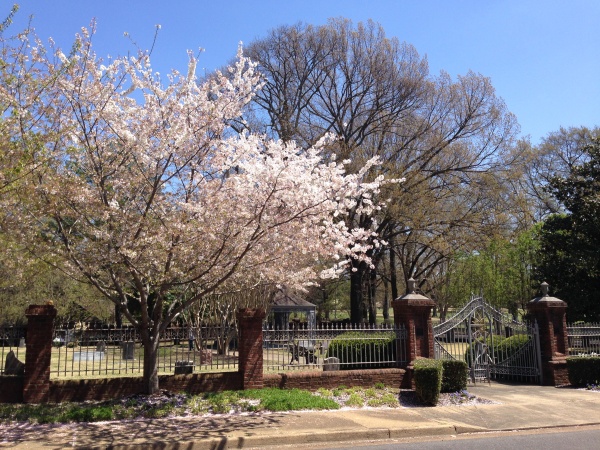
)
(493, 345)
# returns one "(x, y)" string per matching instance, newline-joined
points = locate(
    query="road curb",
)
(234, 442)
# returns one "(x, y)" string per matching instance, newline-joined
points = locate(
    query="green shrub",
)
(360, 350)
(355, 400)
(428, 380)
(454, 375)
(584, 370)
(505, 348)
(501, 348)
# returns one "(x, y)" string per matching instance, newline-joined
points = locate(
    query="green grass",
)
(168, 404)
(273, 399)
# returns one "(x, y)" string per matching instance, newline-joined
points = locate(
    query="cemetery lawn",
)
(167, 404)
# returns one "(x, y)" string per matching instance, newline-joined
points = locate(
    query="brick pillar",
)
(40, 324)
(551, 317)
(413, 311)
(250, 347)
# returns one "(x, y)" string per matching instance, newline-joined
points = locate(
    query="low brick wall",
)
(111, 388)
(331, 379)
(11, 389)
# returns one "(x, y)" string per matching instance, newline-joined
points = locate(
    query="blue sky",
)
(543, 56)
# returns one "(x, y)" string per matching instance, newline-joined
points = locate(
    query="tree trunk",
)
(372, 291)
(358, 309)
(150, 363)
(393, 278)
(118, 316)
(386, 300)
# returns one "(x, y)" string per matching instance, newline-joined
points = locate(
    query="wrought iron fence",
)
(490, 342)
(105, 352)
(333, 347)
(584, 339)
(12, 339)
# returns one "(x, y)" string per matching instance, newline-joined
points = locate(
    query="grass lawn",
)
(170, 405)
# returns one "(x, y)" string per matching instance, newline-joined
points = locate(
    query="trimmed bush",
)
(428, 380)
(584, 370)
(360, 350)
(454, 375)
(501, 348)
(505, 348)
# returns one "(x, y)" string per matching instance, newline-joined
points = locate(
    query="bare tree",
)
(556, 155)
(446, 137)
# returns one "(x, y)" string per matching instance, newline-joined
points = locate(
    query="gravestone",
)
(205, 357)
(331, 363)
(101, 346)
(22, 343)
(128, 349)
(88, 356)
(184, 367)
(13, 366)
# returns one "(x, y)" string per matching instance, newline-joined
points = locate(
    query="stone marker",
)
(13, 366)
(101, 346)
(331, 363)
(88, 356)
(184, 367)
(128, 349)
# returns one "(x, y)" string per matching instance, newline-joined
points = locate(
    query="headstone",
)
(184, 367)
(13, 366)
(331, 363)
(88, 356)
(128, 349)
(22, 343)
(101, 346)
(205, 357)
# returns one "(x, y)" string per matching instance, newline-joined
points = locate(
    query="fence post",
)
(550, 314)
(250, 347)
(40, 324)
(413, 311)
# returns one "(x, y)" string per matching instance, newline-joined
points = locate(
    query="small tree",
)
(145, 190)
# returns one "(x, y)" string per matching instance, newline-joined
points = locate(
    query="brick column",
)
(40, 324)
(413, 311)
(250, 347)
(551, 317)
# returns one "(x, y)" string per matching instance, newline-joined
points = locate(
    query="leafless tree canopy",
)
(448, 137)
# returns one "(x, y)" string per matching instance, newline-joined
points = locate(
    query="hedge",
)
(583, 370)
(360, 350)
(501, 348)
(428, 380)
(454, 375)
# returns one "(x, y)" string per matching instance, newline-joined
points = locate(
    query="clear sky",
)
(543, 56)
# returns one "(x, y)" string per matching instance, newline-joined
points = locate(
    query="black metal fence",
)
(105, 352)
(12, 339)
(333, 347)
(584, 339)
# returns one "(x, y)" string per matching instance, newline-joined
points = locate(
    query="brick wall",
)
(110, 388)
(312, 381)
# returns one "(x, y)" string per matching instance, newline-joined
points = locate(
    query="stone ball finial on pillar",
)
(411, 285)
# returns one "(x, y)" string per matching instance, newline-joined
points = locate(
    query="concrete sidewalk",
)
(516, 407)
